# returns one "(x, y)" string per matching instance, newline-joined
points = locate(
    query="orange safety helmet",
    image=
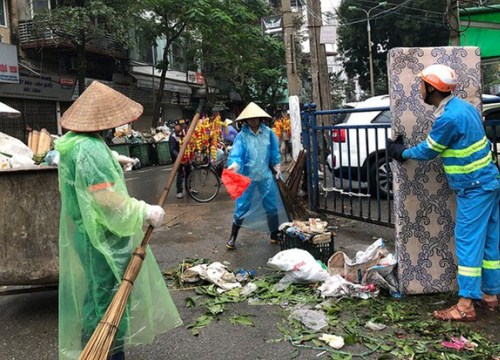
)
(441, 77)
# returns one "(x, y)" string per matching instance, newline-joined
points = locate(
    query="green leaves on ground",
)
(200, 323)
(241, 320)
(410, 333)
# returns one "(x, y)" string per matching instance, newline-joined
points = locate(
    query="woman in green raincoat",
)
(100, 227)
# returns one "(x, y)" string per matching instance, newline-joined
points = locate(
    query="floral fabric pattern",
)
(424, 205)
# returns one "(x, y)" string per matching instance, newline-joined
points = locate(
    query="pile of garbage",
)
(362, 277)
(313, 231)
(329, 318)
(14, 154)
(126, 135)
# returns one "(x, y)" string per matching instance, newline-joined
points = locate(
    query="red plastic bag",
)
(235, 183)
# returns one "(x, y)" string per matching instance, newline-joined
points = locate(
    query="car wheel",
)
(381, 177)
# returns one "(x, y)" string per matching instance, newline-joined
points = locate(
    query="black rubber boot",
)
(275, 237)
(231, 243)
(273, 225)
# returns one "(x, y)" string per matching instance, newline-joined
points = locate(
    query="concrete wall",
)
(29, 226)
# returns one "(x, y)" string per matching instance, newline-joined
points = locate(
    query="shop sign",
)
(328, 34)
(196, 78)
(46, 87)
(9, 67)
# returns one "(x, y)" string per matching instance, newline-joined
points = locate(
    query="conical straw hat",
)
(252, 111)
(100, 108)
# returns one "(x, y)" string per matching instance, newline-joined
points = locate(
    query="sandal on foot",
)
(491, 305)
(455, 314)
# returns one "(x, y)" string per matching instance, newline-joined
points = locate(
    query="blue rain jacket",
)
(458, 136)
(255, 154)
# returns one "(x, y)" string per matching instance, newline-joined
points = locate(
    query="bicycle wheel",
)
(202, 184)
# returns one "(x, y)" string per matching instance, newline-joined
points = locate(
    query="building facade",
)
(47, 73)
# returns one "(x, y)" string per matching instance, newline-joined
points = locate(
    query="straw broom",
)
(102, 339)
(294, 208)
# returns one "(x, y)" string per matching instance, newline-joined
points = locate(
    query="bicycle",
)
(204, 181)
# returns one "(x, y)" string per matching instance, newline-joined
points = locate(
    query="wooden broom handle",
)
(173, 173)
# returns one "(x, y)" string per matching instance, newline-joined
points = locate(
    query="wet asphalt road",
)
(28, 322)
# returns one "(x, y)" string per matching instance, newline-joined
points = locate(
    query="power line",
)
(406, 7)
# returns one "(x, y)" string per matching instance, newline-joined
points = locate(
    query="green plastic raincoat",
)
(100, 227)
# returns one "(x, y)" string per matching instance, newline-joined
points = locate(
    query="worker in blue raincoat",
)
(458, 136)
(255, 153)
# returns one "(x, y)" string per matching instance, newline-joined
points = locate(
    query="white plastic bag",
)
(299, 266)
(14, 152)
(313, 319)
(336, 286)
(12, 146)
(215, 273)
(370, 253)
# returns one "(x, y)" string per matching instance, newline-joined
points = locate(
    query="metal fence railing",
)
(348, 167)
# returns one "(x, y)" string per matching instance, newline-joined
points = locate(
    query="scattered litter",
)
(337, 286)
(52, 158)
(314, 231)
(299, 266)
(317, 226)
(334, 341)
(459, 344)
(215, 273)
(375, 266)
(375, 326)
(244, 275)
(248, 289)
(313, 319)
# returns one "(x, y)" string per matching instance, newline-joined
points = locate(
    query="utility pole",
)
(319, 68)
(293, 78)
(369, 32)
(289, 36)
(453, 22)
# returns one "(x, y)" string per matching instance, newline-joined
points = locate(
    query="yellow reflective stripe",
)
(469, 271)
(491, 264)
(465, 169)
(434, 145)
(461, 153)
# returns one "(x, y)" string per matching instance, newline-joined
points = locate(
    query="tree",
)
(400, 24)
(170, 20)
(232, 50)
(223, 37)
(79, 22)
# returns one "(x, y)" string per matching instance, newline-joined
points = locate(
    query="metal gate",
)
(348, 168)
(347, 165)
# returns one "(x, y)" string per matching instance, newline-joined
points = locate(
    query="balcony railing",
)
(28, 38)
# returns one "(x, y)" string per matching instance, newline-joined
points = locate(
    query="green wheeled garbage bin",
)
(141, 151)
(122, 149)
(163, 153)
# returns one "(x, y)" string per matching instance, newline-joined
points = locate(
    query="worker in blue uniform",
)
(254, 153)
(458, 136)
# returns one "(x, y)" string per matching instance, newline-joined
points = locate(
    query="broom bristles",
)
(291, 202)
(102, 339)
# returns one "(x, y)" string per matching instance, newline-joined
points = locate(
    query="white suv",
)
(358, 153)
